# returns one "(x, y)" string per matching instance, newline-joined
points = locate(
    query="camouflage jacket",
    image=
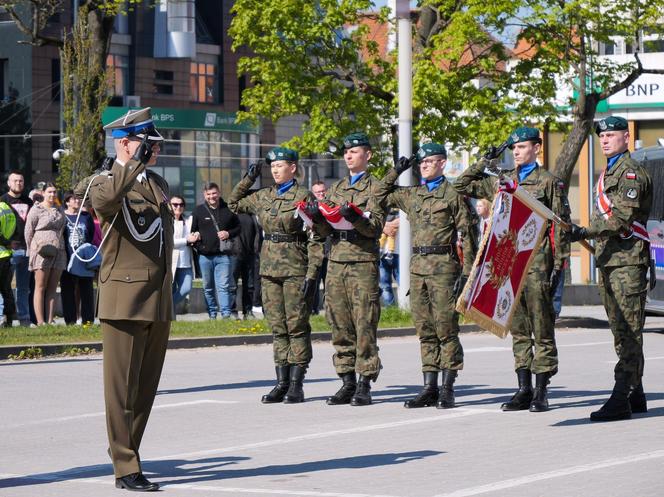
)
(542, 185)
(629, 188)
(368, 193)
(439, 217)
(276, 215)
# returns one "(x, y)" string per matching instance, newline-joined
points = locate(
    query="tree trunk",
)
(573, 144)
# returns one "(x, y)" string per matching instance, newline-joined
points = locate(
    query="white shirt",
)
(181, 251)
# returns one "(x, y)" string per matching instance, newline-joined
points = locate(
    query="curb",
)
(234, 340)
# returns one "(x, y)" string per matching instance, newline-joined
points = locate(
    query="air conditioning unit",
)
(132, 101)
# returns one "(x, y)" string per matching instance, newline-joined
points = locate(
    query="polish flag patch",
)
(630, 175)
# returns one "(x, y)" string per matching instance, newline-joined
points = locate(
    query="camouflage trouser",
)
(353, 309)
(436, 321)
(288, 316)
(623, 290)
(533, 326)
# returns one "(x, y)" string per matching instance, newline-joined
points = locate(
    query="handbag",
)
(225, 246)
(48, 251)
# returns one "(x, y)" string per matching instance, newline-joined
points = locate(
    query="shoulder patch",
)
(630, 174)
(631, 193)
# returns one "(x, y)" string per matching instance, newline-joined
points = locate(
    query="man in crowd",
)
(21, 204)
(533, 338)
(320, 190)
(245, 262)
(7, 228)
(217, 227)
(622, 252)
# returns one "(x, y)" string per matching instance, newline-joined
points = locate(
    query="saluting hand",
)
(405, 163)
(143, 153)
(254, 170)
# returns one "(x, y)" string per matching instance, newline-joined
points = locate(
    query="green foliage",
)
(29, 353)
(305, 60)
(85, 86)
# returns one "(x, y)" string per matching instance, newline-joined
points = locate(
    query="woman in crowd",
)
(44, 227)
(77, 234)
(183, 271)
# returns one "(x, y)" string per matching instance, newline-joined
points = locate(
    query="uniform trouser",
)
(133, 357)
(623, 290)
(288, 316)
(436, 320)
(533, 336)
(353, 310)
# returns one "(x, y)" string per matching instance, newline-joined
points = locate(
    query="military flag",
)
(331, 215)
(518, 223)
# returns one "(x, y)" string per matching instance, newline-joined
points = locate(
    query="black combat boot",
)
(617, 407)
(362, 396)
(446, 397)
(540, 403)
(524, 395)
(295, 394)
(428, 395)
(637, 399)
(280, 389)
(346, 391)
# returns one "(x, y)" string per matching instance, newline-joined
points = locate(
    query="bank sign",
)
(647, 91)
(187, 119)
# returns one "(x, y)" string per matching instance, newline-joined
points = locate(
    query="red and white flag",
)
(509, 245)
(331, 215)
(300, 211)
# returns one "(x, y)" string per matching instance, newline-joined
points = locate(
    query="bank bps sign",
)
(188, 119)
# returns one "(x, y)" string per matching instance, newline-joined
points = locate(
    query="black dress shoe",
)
(136, 482)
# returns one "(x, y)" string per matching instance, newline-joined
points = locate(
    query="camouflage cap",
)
(356, 140)
(611, 123)
(524, 134)
(281, 153)
(429, 149)
(138, 123)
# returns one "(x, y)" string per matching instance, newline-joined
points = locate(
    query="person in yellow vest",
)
(7, 228)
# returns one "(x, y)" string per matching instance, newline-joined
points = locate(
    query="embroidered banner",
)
(517, 224)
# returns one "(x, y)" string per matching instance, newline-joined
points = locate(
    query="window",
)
(3, 79)
(653, 46)
(203, 83)
(163, 82)
(55, 78)
(119, 67)
(181, 17)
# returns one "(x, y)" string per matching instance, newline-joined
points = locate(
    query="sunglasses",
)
(176, 204)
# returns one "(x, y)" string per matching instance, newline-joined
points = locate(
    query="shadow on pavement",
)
(233, 386)
(652, 413)
(209, 469)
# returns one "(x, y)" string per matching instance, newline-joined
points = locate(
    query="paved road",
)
(209, 434)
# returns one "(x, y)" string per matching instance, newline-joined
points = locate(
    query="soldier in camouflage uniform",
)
(439, 217)
(622, 251)
(289, 264)
(533, 338)
(353, 303)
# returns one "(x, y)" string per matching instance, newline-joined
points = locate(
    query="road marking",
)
(502, 349)
(102, 413)
(657, 358)
(460, 413)
(586, 344)
(525, 480)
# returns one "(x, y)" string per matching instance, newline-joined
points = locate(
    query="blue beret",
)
(524, 134)
(611, 123)
(356, 140)
(429, 149)
(281, 153)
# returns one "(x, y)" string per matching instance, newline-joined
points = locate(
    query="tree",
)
(469, 88)
(83, 53)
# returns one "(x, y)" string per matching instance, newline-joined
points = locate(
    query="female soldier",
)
(289, 263)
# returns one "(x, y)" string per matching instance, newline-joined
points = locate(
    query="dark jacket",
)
(21, 206)
(224, 219)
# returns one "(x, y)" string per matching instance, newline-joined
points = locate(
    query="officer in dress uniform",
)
(289, 264)
(533, 338)
(439, 217)
(135, 304)
(622, 251)
(353, 303)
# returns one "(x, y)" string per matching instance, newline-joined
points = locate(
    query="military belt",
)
(284, 238)
(433, 249)
(346, 235)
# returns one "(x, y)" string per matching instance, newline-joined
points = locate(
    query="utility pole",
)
(405, 51)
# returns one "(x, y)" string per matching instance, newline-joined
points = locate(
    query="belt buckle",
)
(343, 235)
